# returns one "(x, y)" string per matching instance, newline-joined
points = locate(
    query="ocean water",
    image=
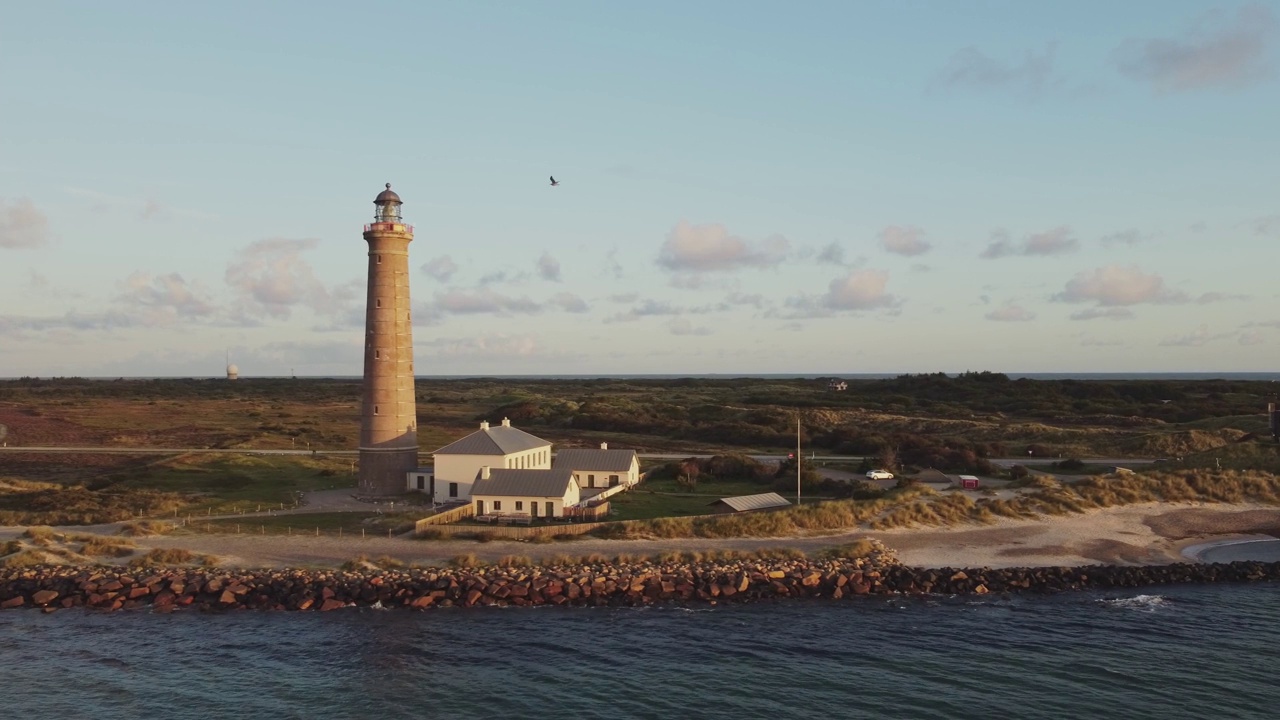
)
(1176, 652)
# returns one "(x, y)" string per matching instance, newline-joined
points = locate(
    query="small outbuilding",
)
(750, 503)
(601, 468)
(968, 482)
(531, 494)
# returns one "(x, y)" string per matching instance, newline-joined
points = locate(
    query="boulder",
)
(44, 597)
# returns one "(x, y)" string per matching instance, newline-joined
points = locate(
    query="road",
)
(1004, 462)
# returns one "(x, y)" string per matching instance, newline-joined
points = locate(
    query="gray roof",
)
(508, 482)
(593, 459)
(743, 503)
(497, 440)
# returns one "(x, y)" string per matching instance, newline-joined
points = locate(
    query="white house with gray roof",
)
(535, 493)
(457, 465)
(601, 468)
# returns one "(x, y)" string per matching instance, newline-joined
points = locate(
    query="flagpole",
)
(797, 459)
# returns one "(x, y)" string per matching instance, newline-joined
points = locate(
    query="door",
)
(479, 507)
(551, 509)
(533, 509)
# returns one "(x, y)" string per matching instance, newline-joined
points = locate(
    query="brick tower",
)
(388, 414)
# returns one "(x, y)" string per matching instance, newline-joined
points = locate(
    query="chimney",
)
(484, 472)
(506, 422)
(484, 424)
(604, 446)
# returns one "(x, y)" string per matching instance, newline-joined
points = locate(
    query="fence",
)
(521, 533)
(448, 516)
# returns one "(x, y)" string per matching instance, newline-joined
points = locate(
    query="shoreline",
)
(53, 588)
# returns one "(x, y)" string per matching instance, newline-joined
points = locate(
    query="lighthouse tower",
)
(388, 415)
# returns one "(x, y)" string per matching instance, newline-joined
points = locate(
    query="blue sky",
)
(747, 187)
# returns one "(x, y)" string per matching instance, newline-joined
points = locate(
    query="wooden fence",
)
(523, 533)
(448, 516)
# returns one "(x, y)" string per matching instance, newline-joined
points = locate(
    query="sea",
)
(1207, 651)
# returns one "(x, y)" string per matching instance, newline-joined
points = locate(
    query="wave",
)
(1145, 603)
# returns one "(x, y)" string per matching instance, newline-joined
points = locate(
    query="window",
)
(379, 259)
(591, 481)
(375, 409)
(613, 480)
(377, 354)
(377, 302)
(519, 504)
(453, 489)
(497, 504)
(422, 482)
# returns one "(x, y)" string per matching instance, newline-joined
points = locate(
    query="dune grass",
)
(173, 556)
(101, 546)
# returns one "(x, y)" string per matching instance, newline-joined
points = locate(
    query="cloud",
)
(1268, 225)
(441, 268)
(1195, 338)
(491, 346)
(905, 240)
(164, 299)
(483, 300)
(1213, 297)
(739, 298)
(569, 302)
(1116, 286)
(710, 248)
(681, 326)
(612, 265)
(501, 276)
(548, 268)
(1110, 313)
(1124, 237)
(832, 254)
(22, 225)
(1010, 312)
(1214, 53)
(648, 308)
(271, 278)
(860, 290)
(624, 298)
(1027, 77)
(1252, 337)
(1050, 242)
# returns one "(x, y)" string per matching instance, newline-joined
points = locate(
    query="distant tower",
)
(388, 414)
(233, 372)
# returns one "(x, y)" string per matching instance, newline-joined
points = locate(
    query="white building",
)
(537, 493)
(601, 468)
(457, 465)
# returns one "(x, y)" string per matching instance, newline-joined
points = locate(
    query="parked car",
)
(879, 475)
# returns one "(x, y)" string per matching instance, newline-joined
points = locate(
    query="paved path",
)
(54, 449)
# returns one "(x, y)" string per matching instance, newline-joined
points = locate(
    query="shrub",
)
(99, 546)
(484, 536)
(386, 562)
(146, 528)
(515, 561)
(468, 560)
(10, 547)
(430, 534)
(173, 556)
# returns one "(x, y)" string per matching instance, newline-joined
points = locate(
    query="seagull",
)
(553, 181)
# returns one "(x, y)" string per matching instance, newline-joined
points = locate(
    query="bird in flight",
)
(554, 182)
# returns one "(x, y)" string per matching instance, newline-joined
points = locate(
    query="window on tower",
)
(377, 303)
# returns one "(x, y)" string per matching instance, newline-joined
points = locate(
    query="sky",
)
(746, 187)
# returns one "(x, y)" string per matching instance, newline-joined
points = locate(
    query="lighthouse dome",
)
(233, 372)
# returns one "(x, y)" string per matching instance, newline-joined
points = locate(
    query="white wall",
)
(463, 469)
(571, 497)
(630, 477)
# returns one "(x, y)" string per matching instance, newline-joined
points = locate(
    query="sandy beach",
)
(1149, 533)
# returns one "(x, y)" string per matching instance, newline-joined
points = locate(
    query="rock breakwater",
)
(114, 588)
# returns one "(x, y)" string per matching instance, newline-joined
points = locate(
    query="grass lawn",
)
(231, 483)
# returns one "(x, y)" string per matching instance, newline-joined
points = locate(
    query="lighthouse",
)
(388, 413)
